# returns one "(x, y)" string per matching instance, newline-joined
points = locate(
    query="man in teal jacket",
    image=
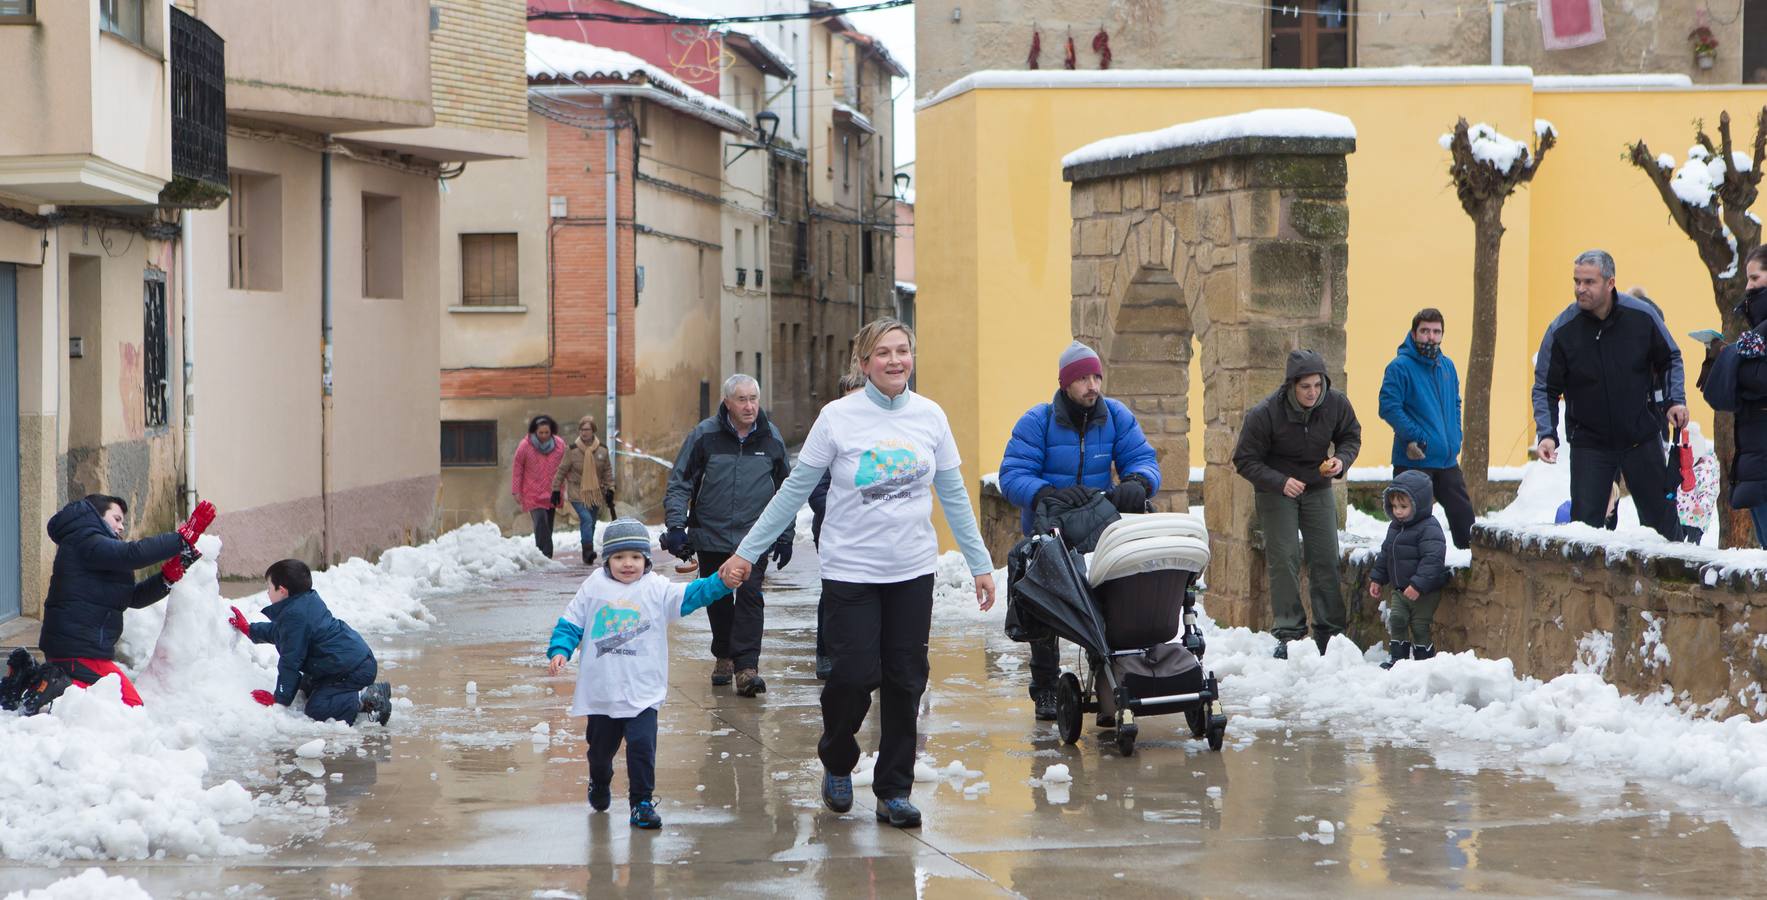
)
(1420, 398)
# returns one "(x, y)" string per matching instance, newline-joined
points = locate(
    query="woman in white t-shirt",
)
(889, 450)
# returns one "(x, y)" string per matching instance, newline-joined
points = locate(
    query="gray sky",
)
(895, 27)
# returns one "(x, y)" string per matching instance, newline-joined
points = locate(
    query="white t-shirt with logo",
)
(878, 526)
(624, 666)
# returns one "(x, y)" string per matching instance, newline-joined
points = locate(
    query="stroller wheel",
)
(1067, 707)
(1126, 738)
(1217, 726)
(1197, 718)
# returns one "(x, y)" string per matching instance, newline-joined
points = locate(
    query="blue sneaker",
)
(600, 795)
(837, 792)
(644, 815)
(898, 812)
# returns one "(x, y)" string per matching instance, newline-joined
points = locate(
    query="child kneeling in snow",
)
(627, 609)
(321, 655)
(1415, 555)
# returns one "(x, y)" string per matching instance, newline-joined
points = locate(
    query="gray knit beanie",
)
(625, 533)
(1077, 362)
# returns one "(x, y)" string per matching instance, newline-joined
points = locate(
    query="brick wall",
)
(577, 277)
(476, 71)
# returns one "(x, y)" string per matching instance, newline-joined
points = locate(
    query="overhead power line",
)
(538, 15)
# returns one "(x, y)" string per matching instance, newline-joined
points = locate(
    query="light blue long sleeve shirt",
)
(792, 495)
(701, 593)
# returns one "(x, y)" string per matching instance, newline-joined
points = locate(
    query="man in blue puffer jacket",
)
(1420, 398)
(1072, 443)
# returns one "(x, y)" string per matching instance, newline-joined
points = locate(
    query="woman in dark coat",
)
(1737, 383)
(94, 581)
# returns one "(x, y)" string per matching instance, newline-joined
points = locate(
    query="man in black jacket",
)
(1292, 445)
(1606, 355)
(93, 582)
(728, 469)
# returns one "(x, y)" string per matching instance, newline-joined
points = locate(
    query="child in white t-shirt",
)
(620, 617)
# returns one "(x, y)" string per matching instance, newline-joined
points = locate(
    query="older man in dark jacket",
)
(93, 582)
(727, 471)
(1292, 445)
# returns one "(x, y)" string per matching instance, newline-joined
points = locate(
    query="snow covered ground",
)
(94, 779)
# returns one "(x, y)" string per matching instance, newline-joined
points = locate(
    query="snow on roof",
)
(1291, 123)
(774, 57)
(551, 60)
(908, 287)
(1609, 82)
(860, 120)
(1273, 78)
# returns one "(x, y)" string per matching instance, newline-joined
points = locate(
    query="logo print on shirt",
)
(617, 625)
(889, 471)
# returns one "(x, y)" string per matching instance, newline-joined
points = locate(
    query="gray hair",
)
(1600, 259)
(740, 380)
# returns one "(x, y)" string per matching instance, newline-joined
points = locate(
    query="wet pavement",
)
(460, 799)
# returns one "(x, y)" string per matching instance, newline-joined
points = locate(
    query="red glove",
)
(173, 570)
(264, 698)
(238, 622)
(199, 520)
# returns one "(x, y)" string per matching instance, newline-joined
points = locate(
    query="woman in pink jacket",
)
(530, 478)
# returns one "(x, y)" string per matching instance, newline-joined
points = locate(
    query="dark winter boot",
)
(1044, 700)
(377, 701)
(722, 671)
(750, 683)
(588, 555)
(600, 795)
(1321, 640)
(824, 667)
(1423, 651)
(1396, 650)
(644, 815)
(1281, 649)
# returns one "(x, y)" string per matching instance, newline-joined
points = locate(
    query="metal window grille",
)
(199, 101)
(488, 270)
(470, 443)
(154, 347)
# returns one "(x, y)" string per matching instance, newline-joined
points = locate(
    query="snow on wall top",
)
(1609, 82)
(1274, 78)
(1277, 123)
(556, 59)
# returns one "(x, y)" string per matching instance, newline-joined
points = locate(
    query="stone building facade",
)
(957, 37)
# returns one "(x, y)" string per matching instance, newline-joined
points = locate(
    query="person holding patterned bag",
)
(586, 479)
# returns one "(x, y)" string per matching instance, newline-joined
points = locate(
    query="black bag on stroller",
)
(1080, 524)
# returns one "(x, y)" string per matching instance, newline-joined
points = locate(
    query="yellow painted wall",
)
(994, 226)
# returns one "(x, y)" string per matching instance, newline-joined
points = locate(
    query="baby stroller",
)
(1140, 592)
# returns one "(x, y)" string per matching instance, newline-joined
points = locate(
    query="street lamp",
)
(767, 126)
(903, 179)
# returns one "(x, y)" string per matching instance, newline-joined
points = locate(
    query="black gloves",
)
(1131, 495)
(1044, 491)
(781, 552)
(557, 499)
(1075, 494)
(675, 541)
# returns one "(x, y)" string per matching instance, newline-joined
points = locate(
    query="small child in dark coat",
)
(1414, 561)
(321, 654)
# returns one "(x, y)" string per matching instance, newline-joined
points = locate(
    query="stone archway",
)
(1241, 242)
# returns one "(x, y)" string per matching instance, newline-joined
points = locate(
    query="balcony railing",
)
(199, 115)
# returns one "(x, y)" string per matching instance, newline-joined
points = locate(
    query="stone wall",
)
(1531, 598)
(1240, 244)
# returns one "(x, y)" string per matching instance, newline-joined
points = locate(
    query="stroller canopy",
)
(1148, 543)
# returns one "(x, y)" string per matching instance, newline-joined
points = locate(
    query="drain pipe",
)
(189, 310)
(1497, 32)
(325, 352)
(611, 425)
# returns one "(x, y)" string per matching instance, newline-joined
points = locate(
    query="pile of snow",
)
(1460, 700)
(1269, 123)
(954, 592)
(1697, 181)
(91, 884)
(94, 779)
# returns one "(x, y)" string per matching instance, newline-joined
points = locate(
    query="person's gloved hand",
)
(608, 495)
(557, 499)
(264, 698)
(1047, 490)
(781, 552)
(173, 569)
(199, 521)
(239, 623)
(1075, 495)
(675, 541)
(1131, 495)
(1413, 450)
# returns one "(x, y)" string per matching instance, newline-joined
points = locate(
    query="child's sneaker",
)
(377, 701)
(644, 815)
(837, 791)
(600, 795)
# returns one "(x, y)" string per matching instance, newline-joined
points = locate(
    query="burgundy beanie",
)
(1077, 362)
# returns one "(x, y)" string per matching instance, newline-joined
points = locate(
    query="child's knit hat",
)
(625, 533)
